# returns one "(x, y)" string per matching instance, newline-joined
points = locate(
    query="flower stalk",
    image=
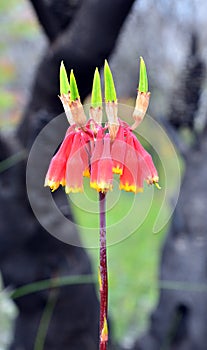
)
(99, 151)
(103, 274)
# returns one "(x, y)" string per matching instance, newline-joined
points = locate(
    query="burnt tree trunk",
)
(28, 253)
(180, 318)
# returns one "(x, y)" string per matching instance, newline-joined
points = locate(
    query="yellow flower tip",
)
(93, 185)
(63, 183)
(154, 181)
(69, 190)
(101, 187)
(157, 185)
(52, 184)
(130, 188)
(86, 173)
(117, 170)
(104, 332)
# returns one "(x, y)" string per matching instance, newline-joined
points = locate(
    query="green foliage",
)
(51, 283)
(45, 321)
(64, 83)
(133, 260)
(143, 81)
(96, 98)
(110, 91)
(74, 94)
(7, 101)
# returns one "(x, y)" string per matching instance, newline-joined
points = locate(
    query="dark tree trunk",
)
(82, 46)
(179, 321)
(28, 252)
(180, 318)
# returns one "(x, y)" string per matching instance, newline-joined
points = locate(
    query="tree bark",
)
(28, 252)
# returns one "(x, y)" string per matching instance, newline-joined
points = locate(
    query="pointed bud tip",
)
(64, 83)
(73, 87)
(110, 91)
(143, 81)
(96, 97)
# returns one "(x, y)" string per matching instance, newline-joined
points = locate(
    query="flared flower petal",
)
(75, 167)
(118, 150)
(101, 170)
(146, 163)
(85, 152)
(130, 180)
(57, 168)
(96, 155)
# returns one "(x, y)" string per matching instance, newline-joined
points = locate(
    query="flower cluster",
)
(97, 151)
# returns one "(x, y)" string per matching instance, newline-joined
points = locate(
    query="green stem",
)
(51, 283)
(45, 321)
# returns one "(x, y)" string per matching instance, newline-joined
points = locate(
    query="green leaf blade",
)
(143, 81)
(74, 94)
(110, 91)
(64, 83)
(96, 97)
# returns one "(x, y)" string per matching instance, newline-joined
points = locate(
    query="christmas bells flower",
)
(99, 151)
(91, 149)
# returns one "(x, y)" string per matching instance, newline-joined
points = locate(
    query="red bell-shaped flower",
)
(146, 163)
(75, 167)
(57, 168)
(131, 179)
(101, 165)
(118, 150)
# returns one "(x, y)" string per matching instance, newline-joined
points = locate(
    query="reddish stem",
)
(103, 270)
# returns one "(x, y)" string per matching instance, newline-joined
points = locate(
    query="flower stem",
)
(103, 274)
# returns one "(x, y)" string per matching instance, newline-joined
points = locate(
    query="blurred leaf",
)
(12, 160)
(23, 30)
(7, 100)
(7, 71)
(51, 283)
(7, 5)
(45, 321)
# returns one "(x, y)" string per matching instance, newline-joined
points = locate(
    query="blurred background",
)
(172, 38)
